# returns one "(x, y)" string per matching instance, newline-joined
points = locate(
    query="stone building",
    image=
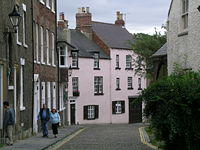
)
(16, 66)
(183, 35)
(45, 57)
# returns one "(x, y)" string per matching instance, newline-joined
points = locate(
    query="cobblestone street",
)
(107, 137)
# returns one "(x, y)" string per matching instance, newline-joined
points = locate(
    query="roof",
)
(113, 35)
(161, 52)
(86, 47)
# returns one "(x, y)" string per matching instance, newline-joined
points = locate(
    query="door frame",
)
(1, 96)
(72, 102)
(36, 106)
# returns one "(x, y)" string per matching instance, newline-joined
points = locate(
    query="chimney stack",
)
(62, 22)
(120, 21)
(84, 20)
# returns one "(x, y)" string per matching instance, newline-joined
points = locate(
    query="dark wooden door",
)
(72, 113)
(135, 112)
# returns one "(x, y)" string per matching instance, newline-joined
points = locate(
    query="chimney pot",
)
(83, 9)
(88, 9)
(62, 16)
(79, 10)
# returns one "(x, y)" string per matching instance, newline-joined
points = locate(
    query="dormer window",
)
(96, 60)
(185, 6)
(74, 59)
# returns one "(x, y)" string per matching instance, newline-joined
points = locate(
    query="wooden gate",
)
(135, 111)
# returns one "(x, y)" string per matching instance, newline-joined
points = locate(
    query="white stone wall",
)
(184, 50)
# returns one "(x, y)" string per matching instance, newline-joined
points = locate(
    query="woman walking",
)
(55, 120)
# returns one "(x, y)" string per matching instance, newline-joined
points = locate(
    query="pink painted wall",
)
(123, 75)
(86, 75)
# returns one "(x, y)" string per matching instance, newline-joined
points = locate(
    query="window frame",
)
(139, 84)
(54, 94)
(98, 85)
(118, 84)
(96, 60)
(49, 95)
(184, 13)
(37, 42)
(22, 63)
(53, 48)
(74, 55)
(24, 16)
(130, 83)
(90, 112)
(53, 6)
(63, 48)
(42, 44)
(118, 107)
(47, 47)
(129, 62)
(117, 63)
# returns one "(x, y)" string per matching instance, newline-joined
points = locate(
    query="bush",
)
(173, 106)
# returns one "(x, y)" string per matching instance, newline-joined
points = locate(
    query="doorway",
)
(135, 111)
(73, 114)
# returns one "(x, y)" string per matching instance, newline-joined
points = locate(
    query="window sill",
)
(98, 94)
(10, 87)
(139, 88)
(48, 7)
(75, 68)
(43, 63)
(183, 33)
(128, 68)
(42, 2)
(54, 65)
(25, 45)
(118, 89)
(38, 62)
(91, 118)
(19, 43)
(53, 11)
(48, 64)
(117, 68)
(97, 69)
(22, 108)
(130, 88)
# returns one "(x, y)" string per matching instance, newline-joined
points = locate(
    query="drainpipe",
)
(32, 64)
(57, 52)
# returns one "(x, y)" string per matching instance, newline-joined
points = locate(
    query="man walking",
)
(8, 123)
(44, 115)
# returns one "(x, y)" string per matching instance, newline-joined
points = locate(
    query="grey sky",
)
(141, 15)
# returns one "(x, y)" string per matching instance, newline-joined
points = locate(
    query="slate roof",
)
(113, 35)
(161, 52)
(85, 46)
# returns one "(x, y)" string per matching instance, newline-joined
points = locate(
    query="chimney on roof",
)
(84, 20)
(120, 21)
(62, 22)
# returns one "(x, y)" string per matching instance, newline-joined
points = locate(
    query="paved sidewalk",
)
(39, 143)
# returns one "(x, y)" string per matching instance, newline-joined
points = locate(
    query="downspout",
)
(32, 64)
(57, 52)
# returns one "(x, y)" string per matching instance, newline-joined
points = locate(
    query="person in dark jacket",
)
(44, 116)
(8, 122)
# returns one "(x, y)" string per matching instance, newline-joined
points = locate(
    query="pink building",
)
(102, 83)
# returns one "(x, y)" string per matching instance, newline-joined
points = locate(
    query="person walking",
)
(55, 120)
(44, 116)
(8, 123)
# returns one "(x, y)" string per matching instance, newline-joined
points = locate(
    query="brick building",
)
(16, 66)
(45, 57)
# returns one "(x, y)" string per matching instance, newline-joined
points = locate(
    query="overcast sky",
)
(141, 15)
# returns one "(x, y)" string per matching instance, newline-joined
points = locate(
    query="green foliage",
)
(173, 106)
(145, 46)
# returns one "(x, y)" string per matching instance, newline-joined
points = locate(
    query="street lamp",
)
(15, 18)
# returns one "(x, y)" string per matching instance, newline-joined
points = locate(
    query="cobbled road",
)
(107, 137)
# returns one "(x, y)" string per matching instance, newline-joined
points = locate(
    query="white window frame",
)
(91, 112)
(47, 45)
(117, 61)
(65, 56)
(49, 95)
(130, 82)
(185, 7)
(22, 62)
(37, 42)
(128, 61)
(53, 48)
(54, 94)
(61, 99)
(42, 44)
(118, 107)
(98, 85)
(47, 4)
(75, 84)
(43, 93)
(53, 6)
(96, 60)
(74, 59)
(1, 96)
(24, 25)
(17, 37)
(117, 83)
(42, 1)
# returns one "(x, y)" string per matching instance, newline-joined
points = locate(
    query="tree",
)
(145, 46)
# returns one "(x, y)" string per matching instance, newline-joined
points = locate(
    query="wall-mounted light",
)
(70, 70)
(15, 18)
